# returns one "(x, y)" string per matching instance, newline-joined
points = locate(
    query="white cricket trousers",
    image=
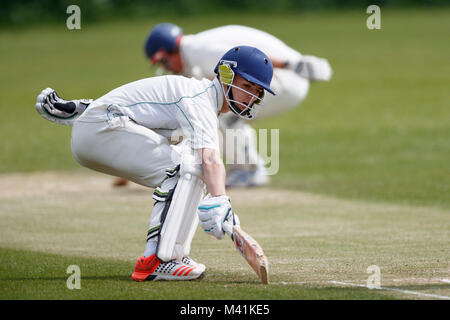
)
(120, 147)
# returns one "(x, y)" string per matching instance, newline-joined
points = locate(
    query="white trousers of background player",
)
(291, 89)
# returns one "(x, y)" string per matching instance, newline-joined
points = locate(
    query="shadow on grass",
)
(111, 277)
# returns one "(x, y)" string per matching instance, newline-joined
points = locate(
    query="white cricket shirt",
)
(165, 103)
(202, 51)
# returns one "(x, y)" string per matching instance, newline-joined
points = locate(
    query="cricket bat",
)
(252, 253)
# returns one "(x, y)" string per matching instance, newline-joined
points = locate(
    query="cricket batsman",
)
(195, 56)
(128, 132)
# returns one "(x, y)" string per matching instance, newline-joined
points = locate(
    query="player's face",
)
(169, 61)
(242, 96)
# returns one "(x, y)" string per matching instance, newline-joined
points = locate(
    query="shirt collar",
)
(219, 91)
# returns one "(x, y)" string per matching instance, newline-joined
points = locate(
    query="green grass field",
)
(310, 241)
(363, 180)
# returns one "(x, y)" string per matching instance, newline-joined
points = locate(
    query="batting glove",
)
(216, 217)
(313, 68)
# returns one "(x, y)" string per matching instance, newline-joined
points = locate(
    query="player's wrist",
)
(220, 195)
(292, 64)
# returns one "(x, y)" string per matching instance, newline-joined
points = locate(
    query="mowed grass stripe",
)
(308, 238)
(34, 275)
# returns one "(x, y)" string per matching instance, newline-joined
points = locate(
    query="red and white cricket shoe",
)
(151, 269)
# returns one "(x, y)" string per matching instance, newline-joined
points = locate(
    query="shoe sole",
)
(140, 277)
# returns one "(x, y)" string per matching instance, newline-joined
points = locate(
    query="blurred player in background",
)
(195, 56)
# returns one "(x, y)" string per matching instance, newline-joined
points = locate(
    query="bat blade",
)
(252, 253)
